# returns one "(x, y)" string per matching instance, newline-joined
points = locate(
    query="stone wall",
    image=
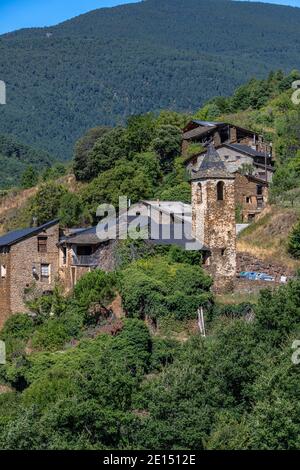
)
(247, 188)
(213, 224)
(104, 256)
(246, 262)
(5, 289)
(23, 257)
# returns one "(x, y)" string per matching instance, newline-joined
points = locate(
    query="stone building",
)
(29, 259)
(219, 133)
(252, 177)
(213, 218)
(237, 158)
(251, 196)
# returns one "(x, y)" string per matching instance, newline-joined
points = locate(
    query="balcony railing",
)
(85, 260)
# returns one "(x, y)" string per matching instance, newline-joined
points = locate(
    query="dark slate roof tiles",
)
(11, 238)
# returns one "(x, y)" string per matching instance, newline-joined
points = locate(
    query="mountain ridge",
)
(105, 65)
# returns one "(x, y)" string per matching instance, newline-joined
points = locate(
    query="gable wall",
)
(23, 257)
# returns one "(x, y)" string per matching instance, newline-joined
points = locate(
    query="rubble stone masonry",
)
(23, 271)
(213, 224)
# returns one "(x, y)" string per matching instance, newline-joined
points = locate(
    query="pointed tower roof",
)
(212, 167)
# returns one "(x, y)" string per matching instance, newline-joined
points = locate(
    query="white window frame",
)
(46, 277)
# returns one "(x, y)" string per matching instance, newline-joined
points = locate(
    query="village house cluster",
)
(233, 170)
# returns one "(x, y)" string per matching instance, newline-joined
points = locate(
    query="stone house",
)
(28, 260)
(252, 177)
(251, 196)
(157, 222)
(219, 133)
(237, 157)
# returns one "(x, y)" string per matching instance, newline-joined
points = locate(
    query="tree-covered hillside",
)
(15, 158)
(103, 66)
(77, 377)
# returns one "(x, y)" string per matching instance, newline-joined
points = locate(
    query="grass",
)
(237, 298)
(267, 238)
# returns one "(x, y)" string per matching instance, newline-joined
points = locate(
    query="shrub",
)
(157, 287)
(51, 336)
(294, 242)
(96, 287)
(18, 326)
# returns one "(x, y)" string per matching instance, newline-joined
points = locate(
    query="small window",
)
(64, 251)
(84, 250)
(223, 251)
(3, 271)
(45, 272)
(199, 193)
(248, 199)
(220, 191)
(259, 190)
(42, 244)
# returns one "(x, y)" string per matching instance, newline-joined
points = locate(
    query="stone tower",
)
(213, 218)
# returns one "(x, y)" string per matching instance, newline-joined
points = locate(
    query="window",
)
(248, 199)
(84, 250)
(42, 244)
(259, 190)
(220, 191)
(45, 272)
(199, 193)
(3, 271)
(64, 252)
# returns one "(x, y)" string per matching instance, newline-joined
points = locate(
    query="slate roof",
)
(89, 236)
(11, 238)
(198, 132)
(246, 149)
(212, 166)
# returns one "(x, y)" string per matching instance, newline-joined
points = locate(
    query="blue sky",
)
(16, 14)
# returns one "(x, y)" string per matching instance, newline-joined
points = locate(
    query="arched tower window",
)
(199, 193)
(220, 191)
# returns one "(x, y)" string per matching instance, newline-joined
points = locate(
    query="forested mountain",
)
(101, 67)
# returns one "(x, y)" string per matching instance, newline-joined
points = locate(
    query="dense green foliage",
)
(79, 387)
(155, 288)
(104, 66)
(15, 158)
(294, 242)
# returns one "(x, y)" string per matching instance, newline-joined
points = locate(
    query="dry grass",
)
(236, 298)
(15, 201)
(267, 238)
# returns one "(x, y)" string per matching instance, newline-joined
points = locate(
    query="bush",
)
(158, 287)
(18, 326)
(46, 203)
(51, 336)
(294, 242)
(278, 313)
(96, 287)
